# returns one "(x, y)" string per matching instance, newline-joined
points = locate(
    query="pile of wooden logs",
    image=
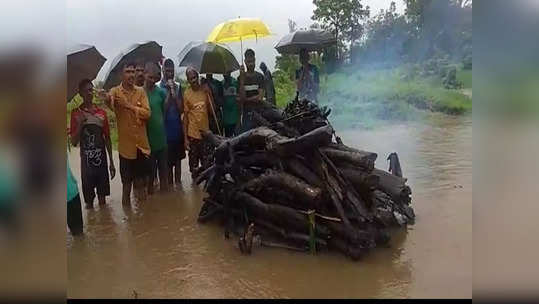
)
(292, 183)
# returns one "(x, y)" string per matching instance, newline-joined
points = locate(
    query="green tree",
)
(385, 38)
(442, 26)
(288, 63)
(343, 18)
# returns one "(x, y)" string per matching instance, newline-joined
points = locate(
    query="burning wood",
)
(287, 184)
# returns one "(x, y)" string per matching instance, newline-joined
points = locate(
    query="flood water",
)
(158, 250)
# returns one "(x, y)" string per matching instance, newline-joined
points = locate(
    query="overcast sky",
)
(113, 25)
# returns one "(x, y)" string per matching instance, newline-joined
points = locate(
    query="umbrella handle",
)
(214, 115)
(241, 50)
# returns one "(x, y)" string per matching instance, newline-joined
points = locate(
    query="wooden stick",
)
(329, 218)
(312, 223)
(214, 115)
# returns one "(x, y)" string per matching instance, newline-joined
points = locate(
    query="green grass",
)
(465, 76)
(365, 98)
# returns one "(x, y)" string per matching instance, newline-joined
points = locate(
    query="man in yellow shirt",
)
(197, 107)
(132, 110)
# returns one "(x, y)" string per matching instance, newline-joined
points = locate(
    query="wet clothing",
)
(230, 130)
(72, 188)
(93, 154)
(253, 82)
(159, 163)
(132, 133)
(310, 83)
(199, 153)
(197, 112)
(217, 91)
(231, 112)
(74, 215)
(269, 88)
(155, 126)
(176, 152)
(173, 122)
(216, 88)
(174, 129)
(138, 168)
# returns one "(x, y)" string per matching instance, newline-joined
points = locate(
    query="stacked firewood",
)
(292, 183)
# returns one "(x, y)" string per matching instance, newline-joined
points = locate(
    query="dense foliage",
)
(387, 62)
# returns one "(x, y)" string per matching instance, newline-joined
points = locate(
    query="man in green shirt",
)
(231, 111)
(156, 127)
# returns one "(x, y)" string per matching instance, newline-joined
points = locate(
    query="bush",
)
(467, 62)
(450, 79)
(387, 95)
(465, 77)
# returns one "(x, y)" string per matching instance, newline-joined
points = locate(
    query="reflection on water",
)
(157, 248)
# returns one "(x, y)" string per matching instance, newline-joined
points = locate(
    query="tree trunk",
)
(306, 195)
(394, 186)
(297, 238)
(347, 190)
(280, 215)
(260, 159)
(365, 160)
(362, 182)
(295, 166)
(288, 146)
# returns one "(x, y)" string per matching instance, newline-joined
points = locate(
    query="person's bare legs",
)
(89, 204)
(170, 173)
(126, 193)
(163, 181)
(140, 186)
(144, 190)
(162, 167)
(102, 200)
(151, 185)
(152, 177)
(178, 173)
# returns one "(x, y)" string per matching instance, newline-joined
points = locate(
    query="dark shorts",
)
(176, 152)
(95, 179)
(131, 169)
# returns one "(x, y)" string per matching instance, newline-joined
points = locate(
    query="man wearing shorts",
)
(130, 104)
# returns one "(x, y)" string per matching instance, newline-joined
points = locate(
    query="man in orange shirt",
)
(132, 110)
(197, 106)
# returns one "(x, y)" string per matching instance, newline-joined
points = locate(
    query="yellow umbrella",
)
(238, 29)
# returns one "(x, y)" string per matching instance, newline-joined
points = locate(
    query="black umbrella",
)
(312, 40)
(208, 57)
(149, 51)
(83, 61)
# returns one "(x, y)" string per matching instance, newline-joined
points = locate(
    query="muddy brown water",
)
(157, 249)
